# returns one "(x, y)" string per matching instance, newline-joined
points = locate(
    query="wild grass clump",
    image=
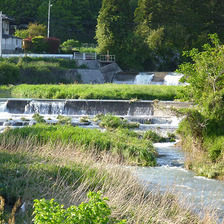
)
(63, 120)
(111, 121)
(97, 91)
(129, 149)
(66, 174)
(38, 118)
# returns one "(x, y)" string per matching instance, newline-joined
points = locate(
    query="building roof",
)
(6, 36)
(5, 17)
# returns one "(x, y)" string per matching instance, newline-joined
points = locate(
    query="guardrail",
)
(39, 55)
(76, 56)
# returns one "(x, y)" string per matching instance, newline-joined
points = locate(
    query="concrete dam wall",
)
(92, 107)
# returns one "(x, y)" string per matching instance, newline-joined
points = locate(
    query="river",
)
(170, 172)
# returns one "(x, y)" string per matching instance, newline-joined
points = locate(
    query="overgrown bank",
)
(202, 129)
(66, 173)
(96, 91)
(35, 70)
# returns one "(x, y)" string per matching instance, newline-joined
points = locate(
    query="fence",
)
(39, 55)
(85, 56)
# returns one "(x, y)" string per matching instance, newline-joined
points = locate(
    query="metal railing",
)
(107, 58)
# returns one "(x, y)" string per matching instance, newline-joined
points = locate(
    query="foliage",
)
(35, 70)
(21, 33)
(68, 45)
(40, 45)
(95, 211)
(105, 91)
(9, 73)
(33, 30)
(204, 125)
(114, 26)
(206, 77)
(111, 121)
(53, 45)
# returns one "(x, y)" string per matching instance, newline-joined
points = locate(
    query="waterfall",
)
(45, 107)
(143, 79)
(3, 106)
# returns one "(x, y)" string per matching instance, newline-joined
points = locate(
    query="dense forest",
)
(143, 34)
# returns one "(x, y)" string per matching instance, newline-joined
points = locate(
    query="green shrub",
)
(9, 73)
(96, 211)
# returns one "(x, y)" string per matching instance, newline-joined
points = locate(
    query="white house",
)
(10, 43)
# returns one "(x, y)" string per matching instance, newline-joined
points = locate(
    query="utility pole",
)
(0, 33)
(48, 21)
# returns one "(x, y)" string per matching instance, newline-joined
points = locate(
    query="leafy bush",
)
(96, 211)
(39, 44)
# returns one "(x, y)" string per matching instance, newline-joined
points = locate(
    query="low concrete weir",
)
(92, 107)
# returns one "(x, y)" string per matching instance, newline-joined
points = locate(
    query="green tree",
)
(205, 74)
(33, 29)
(68, 45)
(114, 29)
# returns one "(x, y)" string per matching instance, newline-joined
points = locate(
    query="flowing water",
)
(170, 172)
(149, 78)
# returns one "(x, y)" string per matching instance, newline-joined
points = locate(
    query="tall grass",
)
(103, 91)
(66, 174)
(127, 148)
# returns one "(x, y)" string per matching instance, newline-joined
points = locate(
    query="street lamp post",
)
(48, 21)
(0, 34)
